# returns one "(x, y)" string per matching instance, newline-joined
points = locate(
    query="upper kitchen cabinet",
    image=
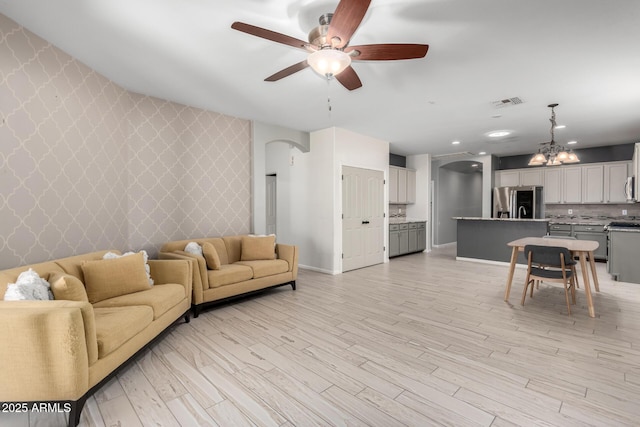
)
(402, 185)
(509, 178)
(572, 184)
(589, 183)
(519, 177)
(592, 184)
(532, 177)
(552, 186)
(615, 178)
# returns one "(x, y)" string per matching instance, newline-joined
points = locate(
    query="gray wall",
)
(86, 165)
(457, 194)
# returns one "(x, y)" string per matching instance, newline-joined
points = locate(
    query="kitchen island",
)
(485, 239)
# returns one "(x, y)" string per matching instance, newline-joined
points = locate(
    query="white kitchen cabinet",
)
(532, 177)
(572, 184)
(589, 183)
(519, 177)
(615, 178)
(553, 184)
(592, 184)
(402, 185)
(393, 185)
(508, 178)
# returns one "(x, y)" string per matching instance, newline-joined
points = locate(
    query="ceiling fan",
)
(329, 53)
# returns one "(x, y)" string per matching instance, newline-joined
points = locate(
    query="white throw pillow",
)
(193, 248)
(111, 255)
(28, 286)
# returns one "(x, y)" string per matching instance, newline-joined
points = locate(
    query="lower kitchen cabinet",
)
(583, 232)
(593, 232)
(406, 238)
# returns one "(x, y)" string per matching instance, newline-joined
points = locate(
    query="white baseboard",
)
(318, 270)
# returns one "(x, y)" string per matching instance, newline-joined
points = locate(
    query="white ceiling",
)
(582, 54)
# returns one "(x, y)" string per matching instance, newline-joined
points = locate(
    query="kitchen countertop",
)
(473, 218)
(625, 230)
(405, 220)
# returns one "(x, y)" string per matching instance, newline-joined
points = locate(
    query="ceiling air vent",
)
(507, 102)
(453, 155)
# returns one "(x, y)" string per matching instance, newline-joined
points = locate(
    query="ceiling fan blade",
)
(269, 35)
(388, 52)
(287, 71)
(349, 79)
(345, 21)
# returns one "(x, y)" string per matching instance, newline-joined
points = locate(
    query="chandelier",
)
(550, 153)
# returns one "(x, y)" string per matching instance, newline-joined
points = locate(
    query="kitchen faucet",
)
(521, 211)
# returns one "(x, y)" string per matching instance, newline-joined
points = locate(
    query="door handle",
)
(365, 222)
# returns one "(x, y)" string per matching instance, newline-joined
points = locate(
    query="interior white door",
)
(271, 204)
(362, 217)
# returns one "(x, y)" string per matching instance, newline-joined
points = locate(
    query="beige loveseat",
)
(63, 350)
(244, 264)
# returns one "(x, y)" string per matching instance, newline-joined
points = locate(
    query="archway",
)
(459, 193)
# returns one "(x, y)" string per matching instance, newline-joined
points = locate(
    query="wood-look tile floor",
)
(423, 340)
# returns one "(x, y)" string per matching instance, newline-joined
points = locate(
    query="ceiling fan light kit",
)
(330, 54)
(328, 62)
(550, 153)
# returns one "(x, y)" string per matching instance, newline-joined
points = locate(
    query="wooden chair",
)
(551, 264)
(573, 265)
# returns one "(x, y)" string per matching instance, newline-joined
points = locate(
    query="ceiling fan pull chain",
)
(329, 95)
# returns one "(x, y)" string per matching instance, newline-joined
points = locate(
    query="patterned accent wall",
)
(86, 165)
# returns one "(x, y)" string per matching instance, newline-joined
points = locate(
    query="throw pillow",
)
(211, 256)
(257, 248)
(67, 287)
(108, 278)
(29, 286)
(194, 248)
(112, 255)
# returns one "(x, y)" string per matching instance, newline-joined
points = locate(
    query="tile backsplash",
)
(398, 211)
(601, 211)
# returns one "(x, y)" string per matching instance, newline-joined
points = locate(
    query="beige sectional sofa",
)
(235, 265)
(63, 350)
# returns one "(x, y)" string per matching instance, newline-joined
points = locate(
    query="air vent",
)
(507, 102)
(454, 155)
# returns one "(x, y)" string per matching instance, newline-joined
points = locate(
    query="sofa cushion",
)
(229, 274)
(117, 325)
(110, 278)
(161, 298)
(263, 268)
(29, 286)
(193, 248)
(211, 256)
(233, 247)
(145, 256)
(258, 248)
(67, 287)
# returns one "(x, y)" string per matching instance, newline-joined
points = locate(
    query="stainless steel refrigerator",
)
(518, 202)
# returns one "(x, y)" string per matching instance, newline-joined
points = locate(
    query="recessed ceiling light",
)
(455, 142)
(498, 133)
(572, 142)
(482, 153)
(560, 126)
